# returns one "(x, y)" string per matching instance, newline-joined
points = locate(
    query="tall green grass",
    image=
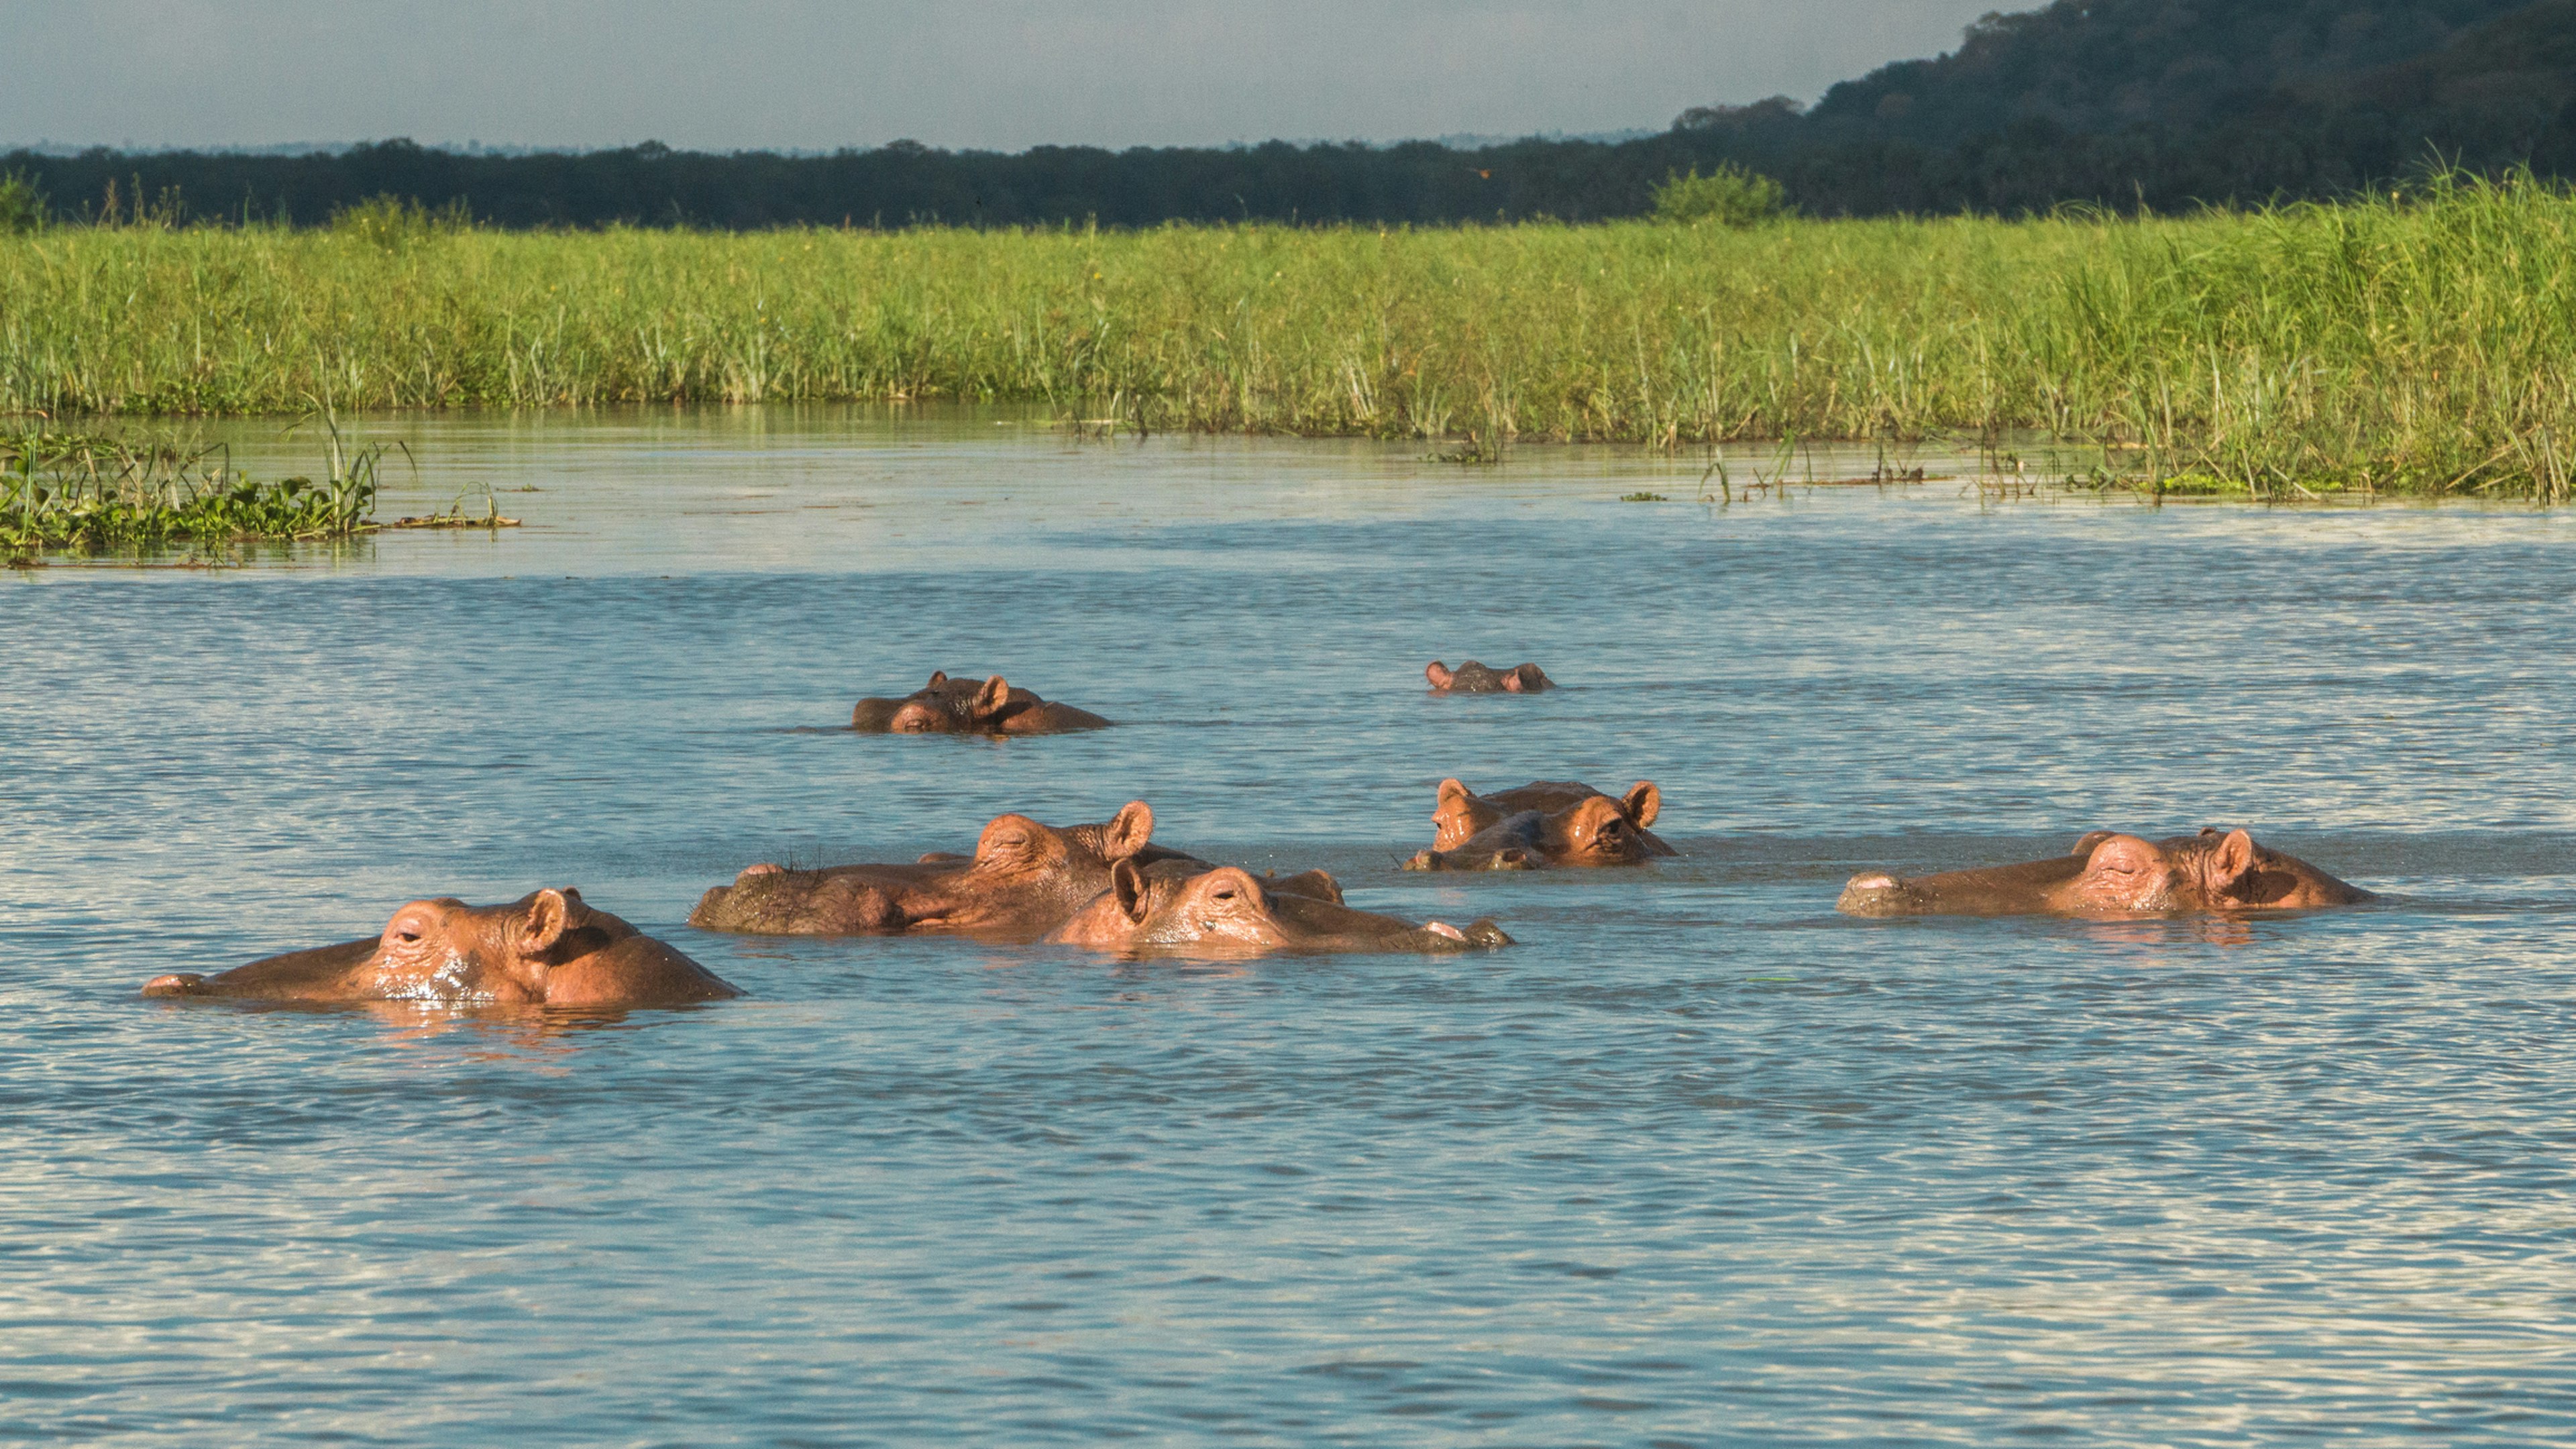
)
(2423, 343)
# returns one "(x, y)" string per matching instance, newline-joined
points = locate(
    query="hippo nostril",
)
(1872, 881)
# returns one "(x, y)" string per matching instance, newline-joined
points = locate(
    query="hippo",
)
(1023, 880)
(2113, 874)
(1474, 678)
(1544, 823)
(546, 948)
(948, 706)
(1226, 910)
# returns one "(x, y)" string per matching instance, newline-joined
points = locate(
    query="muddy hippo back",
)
(1024, 880)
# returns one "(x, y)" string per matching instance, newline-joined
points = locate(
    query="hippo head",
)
(958, 706)
(546, 947)
(963, 707)
(1227, 911)
(1474, 678)
(433, 948)
(1028, 876)
(1550, 822)
(2114, 874)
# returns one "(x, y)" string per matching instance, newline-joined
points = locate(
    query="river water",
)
(1698, 1162)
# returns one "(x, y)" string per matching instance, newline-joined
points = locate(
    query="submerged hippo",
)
(1548, 822)
(1225, 910)
(948, 706)
(543, 949)
(1474, 678)
(1024, 880)
(2111, 874)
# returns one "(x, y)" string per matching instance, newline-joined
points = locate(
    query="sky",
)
(1002, 74)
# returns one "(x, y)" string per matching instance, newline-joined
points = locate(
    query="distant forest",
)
(2165, 104)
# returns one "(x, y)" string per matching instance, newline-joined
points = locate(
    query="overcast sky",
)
(990, 73)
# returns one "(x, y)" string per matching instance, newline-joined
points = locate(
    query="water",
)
(1698, 1162)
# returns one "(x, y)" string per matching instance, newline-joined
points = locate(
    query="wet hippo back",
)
(1474, 678)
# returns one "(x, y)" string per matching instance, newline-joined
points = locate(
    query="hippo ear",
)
(1440, 675)
(550, 914)
(1127, 883)
(992, 698)
(1642, 803)
(2234, 859)
(1128, 831)
(1454, 795)
(938, 677)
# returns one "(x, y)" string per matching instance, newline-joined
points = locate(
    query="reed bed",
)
(2415, 343)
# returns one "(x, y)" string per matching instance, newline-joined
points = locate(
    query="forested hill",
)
(2097, 66)
(2173, 102)
(2166, 103)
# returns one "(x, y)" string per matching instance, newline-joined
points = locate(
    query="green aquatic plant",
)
(2418, 342)
(93, 493)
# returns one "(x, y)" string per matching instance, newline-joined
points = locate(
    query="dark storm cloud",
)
(998, 73)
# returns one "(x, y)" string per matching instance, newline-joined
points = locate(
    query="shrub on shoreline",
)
(1727, 196)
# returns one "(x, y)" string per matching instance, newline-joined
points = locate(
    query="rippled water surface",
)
(1698, 1162)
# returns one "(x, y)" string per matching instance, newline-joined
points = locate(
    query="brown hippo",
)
(1474, 678)
(1024, 880)
(1547, 822)
(948, 706)
(2110, 874)
(1224, 910)
(543, 949)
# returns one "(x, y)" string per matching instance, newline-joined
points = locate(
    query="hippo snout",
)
(1875, 893)
(181, 983)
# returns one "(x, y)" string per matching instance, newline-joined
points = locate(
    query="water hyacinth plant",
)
(86, 492)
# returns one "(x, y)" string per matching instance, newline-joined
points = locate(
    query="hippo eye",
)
(407, 936)
(1223, 894)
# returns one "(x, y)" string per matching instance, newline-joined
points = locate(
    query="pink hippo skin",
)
(1024, 880)
(1474, 678)
(948, 706)
(544, 949)
(1225, 911)
(2113, 875)
(1548, 822)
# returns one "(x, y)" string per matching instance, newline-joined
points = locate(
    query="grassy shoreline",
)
(2423, 344)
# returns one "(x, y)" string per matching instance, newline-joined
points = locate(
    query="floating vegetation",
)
(93, 493)
(457, 517)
